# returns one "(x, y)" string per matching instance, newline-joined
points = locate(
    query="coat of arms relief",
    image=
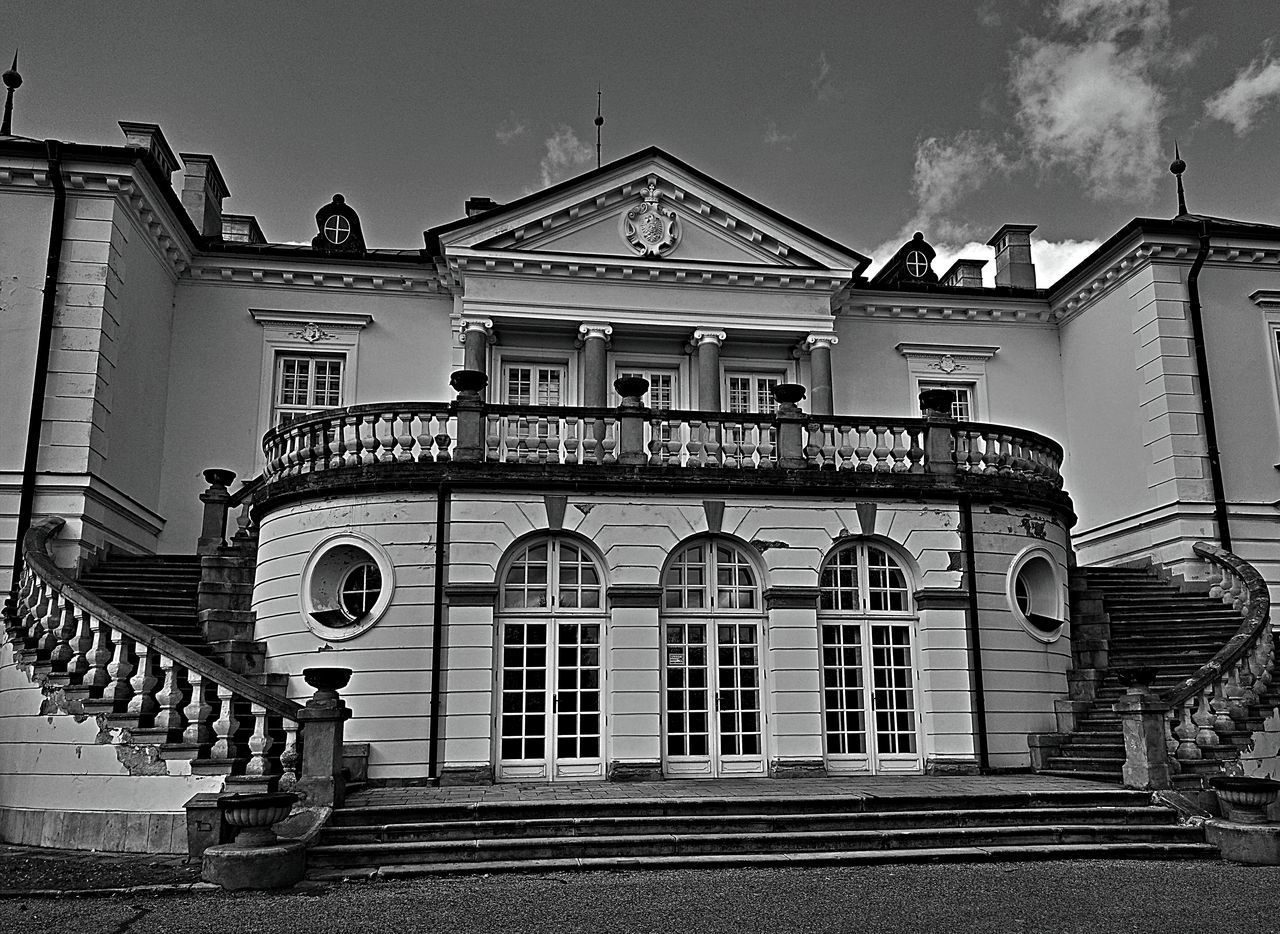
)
(649, 228)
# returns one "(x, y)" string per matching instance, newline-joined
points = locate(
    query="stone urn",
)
(252, 814)
(1137, 680)
(468, 384)
(788, 394)
(936, 403)
(1246, 799)
(327, 683)
(632, 390)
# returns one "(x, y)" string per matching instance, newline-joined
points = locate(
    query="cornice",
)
(138, 198)
(966, 308)
(237, 271)
(630, 269)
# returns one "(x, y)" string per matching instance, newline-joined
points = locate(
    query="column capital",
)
(818, 339)
(708, 336)
(483, 325)
(599, 330)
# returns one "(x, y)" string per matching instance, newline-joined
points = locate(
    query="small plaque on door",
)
(675, 657)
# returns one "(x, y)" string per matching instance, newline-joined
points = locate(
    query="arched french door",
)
(713, 715)
(868, 626)
(550, 678)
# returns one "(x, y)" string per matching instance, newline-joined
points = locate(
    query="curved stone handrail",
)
(118, 666)
(1207, 709)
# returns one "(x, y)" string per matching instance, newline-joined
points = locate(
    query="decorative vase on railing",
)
(1246, 800)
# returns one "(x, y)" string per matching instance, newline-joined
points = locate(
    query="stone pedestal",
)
(1146, 755)
(277, 866)
(1252, 844)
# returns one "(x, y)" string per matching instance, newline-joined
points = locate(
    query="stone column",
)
(821, 394)
(708, 350)
(594, 337)
(477, 335)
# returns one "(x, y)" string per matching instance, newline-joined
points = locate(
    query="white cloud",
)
(1092, 102)
(510, 129)
(774, 137)
(824, 86)
(566, 154)
(1240, 102)
(947, 170)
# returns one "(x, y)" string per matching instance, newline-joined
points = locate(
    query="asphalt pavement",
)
(1081, 897)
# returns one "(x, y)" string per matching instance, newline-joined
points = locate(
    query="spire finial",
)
(12, 81)
(1177, 167)
(599, 124)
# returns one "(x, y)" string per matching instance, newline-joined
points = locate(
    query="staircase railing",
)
(161, 692)
(1215, 706)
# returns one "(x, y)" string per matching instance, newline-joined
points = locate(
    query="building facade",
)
(631, 478)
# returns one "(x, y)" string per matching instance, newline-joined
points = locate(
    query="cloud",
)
(510, 129)
(824, 86)
(947, 170)
(566, 154)
(1241, 101)
(774, 137)
(1091, 101)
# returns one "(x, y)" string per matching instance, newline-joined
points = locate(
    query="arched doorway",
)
(713, 714)
(550, 678)
(868, 624)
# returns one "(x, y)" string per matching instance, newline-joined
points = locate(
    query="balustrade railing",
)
(469, 430)
(157, 690)
(1215, 708)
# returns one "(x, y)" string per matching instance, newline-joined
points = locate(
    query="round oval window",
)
(346, 586)
(1037, 597)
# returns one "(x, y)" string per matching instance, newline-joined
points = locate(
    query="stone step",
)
(1086, 763)
(707, 844)
(736, 823)
(1013, 853)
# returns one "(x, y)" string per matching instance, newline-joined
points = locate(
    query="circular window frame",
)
(327, 569)
(1051, 591)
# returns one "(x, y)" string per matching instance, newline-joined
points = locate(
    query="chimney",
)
(202, 192)
(148, 136)
(1014, 267)
(242, 228)
(479, 205)
(965, 274)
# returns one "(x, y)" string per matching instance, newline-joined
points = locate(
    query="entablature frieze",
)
(225, 269)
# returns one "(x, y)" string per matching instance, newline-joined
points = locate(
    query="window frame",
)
(928, 366)
(304, 333)
(324, 574)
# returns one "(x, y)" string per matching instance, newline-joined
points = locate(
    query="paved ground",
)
(1085, 897)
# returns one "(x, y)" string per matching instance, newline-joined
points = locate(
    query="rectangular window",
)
(530, 384)
(305, 384)
(962, 404)
(752, 392)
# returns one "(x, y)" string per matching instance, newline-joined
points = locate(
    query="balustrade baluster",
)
(405, 440)
(290, 757)
(714, 444)
(1006, 456)
(443, 439)
(1223, 723)
(118, 689)
(198, 712)
(97, 677)
(225, 726)
(610, 443)
(881, 451)
(766, 451)
(1234, 691)
(1170, 740)
(82, 644)
(899, 450)
(572, 442)
(260, 743)
(493, 437)
(1185, 732)
(864, 449)
(916, 450)
(169, 699)
(142, 704)
(64, 627)
(694, 448)
(1203, 718)
(845, 451)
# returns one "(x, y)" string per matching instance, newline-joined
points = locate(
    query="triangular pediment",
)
(650, 207)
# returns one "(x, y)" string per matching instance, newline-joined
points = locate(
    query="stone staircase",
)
(371, 836)
(158, 590)
(1149, 623)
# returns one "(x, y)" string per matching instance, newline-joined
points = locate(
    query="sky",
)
(866, 121)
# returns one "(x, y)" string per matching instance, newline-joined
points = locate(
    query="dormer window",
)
(337, 230)
(917, 264)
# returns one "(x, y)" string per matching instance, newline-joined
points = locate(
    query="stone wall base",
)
(466, 775)
(643, 771)
(951, 767)
(107, 831)
(797, 768)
